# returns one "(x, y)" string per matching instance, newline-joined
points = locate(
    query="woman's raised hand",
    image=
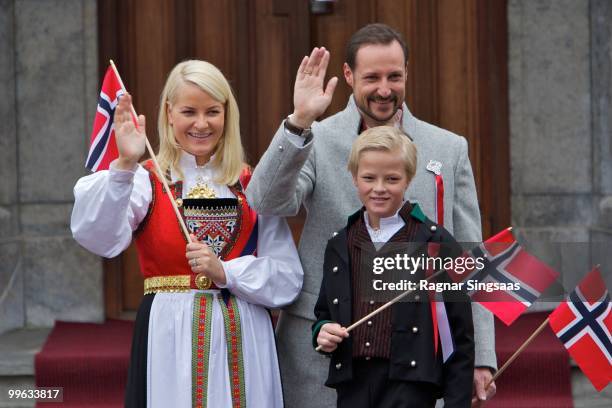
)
(130, 139)
(310, 97)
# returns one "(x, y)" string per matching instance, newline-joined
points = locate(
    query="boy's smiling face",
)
(381, 182)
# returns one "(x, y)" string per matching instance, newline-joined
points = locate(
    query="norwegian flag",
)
(583, 323)
(507, 264)
(103, 147)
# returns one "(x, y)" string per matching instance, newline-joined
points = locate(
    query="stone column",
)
(49, 81)
(601, 82)
(11, 271)
(553, 191)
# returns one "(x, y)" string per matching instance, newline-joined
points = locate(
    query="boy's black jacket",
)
(412, 351)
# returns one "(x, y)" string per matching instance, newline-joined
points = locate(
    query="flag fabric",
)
(496, 244)
(583, 323)
(103, 147)
(510, 280)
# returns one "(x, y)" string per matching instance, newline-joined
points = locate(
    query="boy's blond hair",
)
(387, 139)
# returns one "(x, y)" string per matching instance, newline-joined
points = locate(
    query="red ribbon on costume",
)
(441, 328)
(439, 200)
(439, 317)
(433, 249)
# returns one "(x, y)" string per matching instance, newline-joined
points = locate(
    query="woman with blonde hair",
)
(203, 335)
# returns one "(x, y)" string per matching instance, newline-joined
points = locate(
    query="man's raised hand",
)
(310, 97)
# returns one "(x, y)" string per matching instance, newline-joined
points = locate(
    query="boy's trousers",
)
(371, 388)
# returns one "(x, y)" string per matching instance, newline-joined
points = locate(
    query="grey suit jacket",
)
(316, 176)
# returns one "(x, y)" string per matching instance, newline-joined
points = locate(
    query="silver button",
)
(335, 269)
(433, 228)
(417, 297)
(415, 329)
(334, 234)
(369, 323)
(412, 363)
(367, 344)
(335, 301)
(368, 358)
(371, 302)
(338, 366)
(281, 148)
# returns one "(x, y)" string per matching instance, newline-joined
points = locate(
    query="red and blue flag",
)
(506, 265)
(583, 323)
(103, 146)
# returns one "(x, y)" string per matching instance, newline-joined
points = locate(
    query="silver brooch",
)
(435, 167)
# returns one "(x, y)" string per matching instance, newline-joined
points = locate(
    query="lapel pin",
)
(435, 167)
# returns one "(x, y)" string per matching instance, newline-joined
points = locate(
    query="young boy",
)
(395, 359)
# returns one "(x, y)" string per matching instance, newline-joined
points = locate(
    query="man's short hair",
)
(376, 33)
(385, 139)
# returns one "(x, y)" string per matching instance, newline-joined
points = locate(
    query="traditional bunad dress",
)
(196, 342)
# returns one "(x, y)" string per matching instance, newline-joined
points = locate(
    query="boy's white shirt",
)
(388, 227)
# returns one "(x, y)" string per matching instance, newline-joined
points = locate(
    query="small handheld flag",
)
(520, 277)
(103, 147)
(583, 323)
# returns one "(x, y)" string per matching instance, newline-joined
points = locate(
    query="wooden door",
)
(457, 75)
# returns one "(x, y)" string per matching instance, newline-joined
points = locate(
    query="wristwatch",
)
(305, 133)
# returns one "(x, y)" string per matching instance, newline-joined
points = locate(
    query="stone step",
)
(17, 382)
(17, 351)
(585, 395)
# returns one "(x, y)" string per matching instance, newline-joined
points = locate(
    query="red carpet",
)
(540, 376)
(89, 360)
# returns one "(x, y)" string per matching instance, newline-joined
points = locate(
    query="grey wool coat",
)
(315, 175)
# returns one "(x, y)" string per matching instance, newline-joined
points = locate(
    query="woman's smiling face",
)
(198, 121)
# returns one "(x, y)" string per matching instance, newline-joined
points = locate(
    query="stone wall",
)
(48, 83)
(561, 167)
(601, 84)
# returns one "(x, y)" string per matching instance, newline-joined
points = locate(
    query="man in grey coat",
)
(306, 164)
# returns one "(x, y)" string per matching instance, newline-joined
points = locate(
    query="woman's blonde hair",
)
(229, 155)
(387, 139)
